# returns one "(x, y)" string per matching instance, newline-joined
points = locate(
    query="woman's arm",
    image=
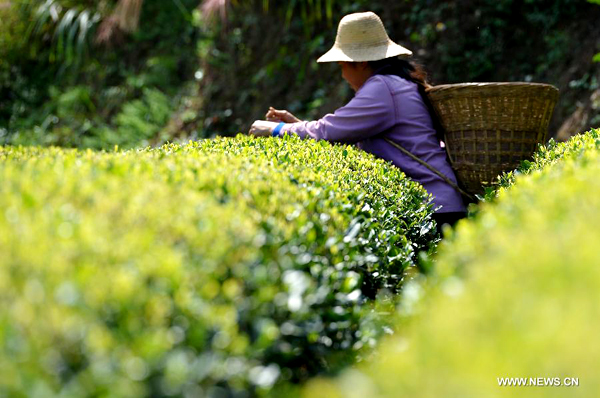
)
(369, 113)
(274, 115)
(264, 128)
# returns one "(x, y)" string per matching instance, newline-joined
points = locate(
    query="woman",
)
(390, 108)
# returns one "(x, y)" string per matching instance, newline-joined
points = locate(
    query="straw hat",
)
(362, 37)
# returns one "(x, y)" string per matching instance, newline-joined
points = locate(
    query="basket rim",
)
(490, 84)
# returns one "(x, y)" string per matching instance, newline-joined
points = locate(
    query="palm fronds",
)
(69, 29)
(74, 24)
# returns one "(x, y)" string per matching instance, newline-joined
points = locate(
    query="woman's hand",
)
(274, 115)
(262, 128)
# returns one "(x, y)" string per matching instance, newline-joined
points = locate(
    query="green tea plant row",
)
(217, 268)
(515, 295)
(550, 154)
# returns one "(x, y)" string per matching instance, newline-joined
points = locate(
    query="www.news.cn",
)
(538, 381)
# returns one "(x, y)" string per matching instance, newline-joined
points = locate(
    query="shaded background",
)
(132, 73)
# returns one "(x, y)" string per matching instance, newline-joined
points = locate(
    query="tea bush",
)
(516, 296)
(216, 268)
(548, 155)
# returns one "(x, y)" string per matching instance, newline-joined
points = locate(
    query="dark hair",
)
(401, 67)
(413, 72)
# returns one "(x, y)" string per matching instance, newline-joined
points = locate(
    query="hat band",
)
(384, 43)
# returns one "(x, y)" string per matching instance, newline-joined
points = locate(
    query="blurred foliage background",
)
(82, 73)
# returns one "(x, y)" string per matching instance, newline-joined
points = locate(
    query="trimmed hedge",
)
(217, 268)
(517, 295)
(548, 155)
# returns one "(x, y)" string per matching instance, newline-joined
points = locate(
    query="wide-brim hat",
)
(361, 37)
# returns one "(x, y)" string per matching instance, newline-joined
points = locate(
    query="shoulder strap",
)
(433, 169)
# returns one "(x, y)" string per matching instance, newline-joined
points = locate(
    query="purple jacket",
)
(388, 106)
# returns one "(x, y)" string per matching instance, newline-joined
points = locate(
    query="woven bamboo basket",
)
(491, 127)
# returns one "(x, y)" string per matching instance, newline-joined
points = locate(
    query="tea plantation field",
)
(221, 268)
(239, 267)
(516, 294)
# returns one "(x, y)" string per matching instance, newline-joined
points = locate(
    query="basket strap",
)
(433, 169)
